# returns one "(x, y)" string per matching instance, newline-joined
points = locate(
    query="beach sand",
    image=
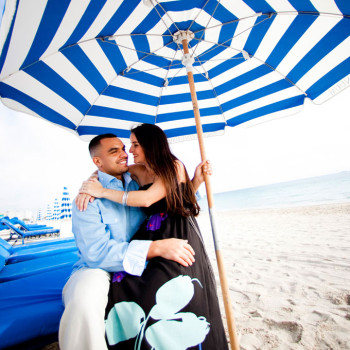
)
(289, 275)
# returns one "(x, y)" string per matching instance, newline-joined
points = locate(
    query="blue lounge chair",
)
(15, 231)
(28, 227)
(31, 297)
(36, 250)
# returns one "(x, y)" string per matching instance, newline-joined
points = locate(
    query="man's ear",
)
(97, 161)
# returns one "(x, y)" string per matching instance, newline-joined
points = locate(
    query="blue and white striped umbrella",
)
(39, 215)
(66, 205)
(102, 66)
(49, 213)
(56, 210)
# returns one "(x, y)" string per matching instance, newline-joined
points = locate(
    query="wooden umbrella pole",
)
(223, 279)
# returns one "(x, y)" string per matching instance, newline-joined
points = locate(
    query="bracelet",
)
(125, 198)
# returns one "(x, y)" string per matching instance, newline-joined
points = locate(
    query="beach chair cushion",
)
(32, 305)
(4, 254)
(36, 266)
(41, 251)
(5, 244)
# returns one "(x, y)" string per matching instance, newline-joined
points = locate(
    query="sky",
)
(39, 158)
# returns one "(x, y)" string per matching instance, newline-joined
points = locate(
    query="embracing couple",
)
(143, 279)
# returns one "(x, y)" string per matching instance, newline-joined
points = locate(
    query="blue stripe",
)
(173, 116)
(8, 39)
(295, 31)
(243, 79)
(254, 95)
(212, 52)
(145, 78)
(50, 22)
(198, 78)
(83, 64)
(327, 81)
(333, 38)
(113, 55)
(275, 107)
(186, 97)
(113, 113)
(119, 17)
(226, 65)
(256, 35)
(344, 6)
(90, 14)
(191, 130)
(96, 130)
(129, 95)
(48, 77)
(7, 91)
(303, 5)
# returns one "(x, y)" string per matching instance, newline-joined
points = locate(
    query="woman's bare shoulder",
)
(181, 171)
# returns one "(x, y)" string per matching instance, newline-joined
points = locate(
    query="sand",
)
(289, 275)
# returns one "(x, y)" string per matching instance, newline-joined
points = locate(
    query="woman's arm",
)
(141, 198)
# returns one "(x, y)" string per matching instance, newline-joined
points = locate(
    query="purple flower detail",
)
(118, 276)
(155, 221)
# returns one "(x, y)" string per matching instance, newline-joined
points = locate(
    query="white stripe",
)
(115, 123)
(333, 90)
(280, 5)
(33, 88)
(63, 67)
(235, 72)
(9, 12)
(262, 102)
(29, 14)
(69, 22)
(213, 26)
(102, 19)
(187, 106)
(129, 84)
(277, 29)
(127, 49)
(135, 18)
(149, 68)
(326, 6)
(249, 87)
(242, 32)
(116, 103)
(334, 58)
(190, 122)
(239, 8)
(321, 26)
(96, 55)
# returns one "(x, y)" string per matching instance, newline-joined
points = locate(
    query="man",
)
(102, 234)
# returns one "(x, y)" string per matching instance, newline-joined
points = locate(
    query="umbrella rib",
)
(211, 17)
(189, 28)
(165, 12)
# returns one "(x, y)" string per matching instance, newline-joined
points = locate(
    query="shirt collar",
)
(106, 179)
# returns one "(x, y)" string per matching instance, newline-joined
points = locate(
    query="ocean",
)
(333, 188)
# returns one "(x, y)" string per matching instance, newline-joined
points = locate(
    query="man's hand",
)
(172, 249)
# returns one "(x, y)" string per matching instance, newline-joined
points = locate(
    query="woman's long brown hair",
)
(179, 199)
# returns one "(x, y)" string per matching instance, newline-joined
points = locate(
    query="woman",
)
(170, 306)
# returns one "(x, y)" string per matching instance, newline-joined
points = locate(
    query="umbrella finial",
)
(148, 3)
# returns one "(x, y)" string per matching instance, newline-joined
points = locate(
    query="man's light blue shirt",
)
(103, 232)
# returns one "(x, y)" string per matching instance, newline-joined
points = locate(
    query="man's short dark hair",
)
(95, 142)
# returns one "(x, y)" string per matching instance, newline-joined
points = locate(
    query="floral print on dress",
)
(155, 221)
(174, 330)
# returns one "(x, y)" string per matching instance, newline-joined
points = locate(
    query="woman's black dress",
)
(170, 307)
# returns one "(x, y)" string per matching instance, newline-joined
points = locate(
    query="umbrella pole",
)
(222, 273)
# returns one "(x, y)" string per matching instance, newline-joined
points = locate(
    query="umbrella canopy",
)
(102, 66)
(66, 205)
